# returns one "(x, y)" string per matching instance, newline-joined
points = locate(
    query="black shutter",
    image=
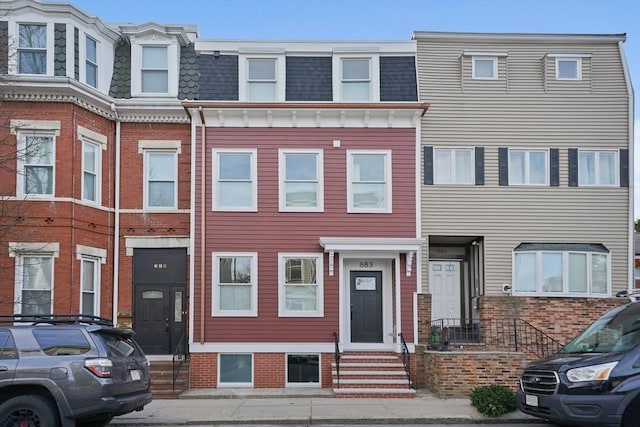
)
(503, 166)
(554, 167)
(428, 165)
(624, 167)
(479, 165)
(573, 167)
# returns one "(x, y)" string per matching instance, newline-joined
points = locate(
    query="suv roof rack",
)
(56, 319)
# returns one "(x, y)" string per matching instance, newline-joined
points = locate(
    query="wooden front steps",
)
(161, 373)
(371, 374)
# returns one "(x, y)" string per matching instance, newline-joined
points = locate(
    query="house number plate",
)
(366, 264)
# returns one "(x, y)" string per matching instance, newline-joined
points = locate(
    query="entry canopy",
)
(371, 246)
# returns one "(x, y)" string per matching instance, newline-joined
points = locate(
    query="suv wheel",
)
(631, 413)
(29, 410)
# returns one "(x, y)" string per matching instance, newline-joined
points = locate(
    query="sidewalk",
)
(290, 406)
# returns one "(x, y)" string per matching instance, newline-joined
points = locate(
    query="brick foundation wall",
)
(203, 369)
(456, 373)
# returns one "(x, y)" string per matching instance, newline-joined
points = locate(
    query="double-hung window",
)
(34, 285)
(91, 168)
(36, 160)
(235, 284)
(453, 165)
(484, 67)
(356, 79)
(155, 70)
(91, 62)
(528, 167)
(261, 79)
(32, 49)
(597, 168)
(300, 285)
(369, 181)
(301, 180)
(160, 175)
(90, 286)
(234, 180)
(568, 272)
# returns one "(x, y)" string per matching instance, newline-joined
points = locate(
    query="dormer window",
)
(484, 67)
(91, 69)
(568, 69)
(155, 69)
(262, 79)
(32, 49)
(356, 79)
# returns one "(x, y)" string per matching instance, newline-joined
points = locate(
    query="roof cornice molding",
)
(302, 47)
(50, 9)
(518, 37)
(306, 114)
(180, 32)
(64, 89)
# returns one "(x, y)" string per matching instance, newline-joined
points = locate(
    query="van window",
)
(61, 342)
(618, 330)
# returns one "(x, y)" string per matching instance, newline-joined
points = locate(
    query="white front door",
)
(444, 284)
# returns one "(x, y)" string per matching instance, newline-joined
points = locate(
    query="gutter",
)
(203, 169)
(116, 231)
(631, 112)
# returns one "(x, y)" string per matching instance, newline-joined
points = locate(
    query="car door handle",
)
(4, 368)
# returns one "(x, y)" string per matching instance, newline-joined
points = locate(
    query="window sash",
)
(160, 177)
(32, 49)
(369, 183)
(37, 159)
(301, 183)
(235, 369)
(597, 168)
(89, 287)
(356, 79)
(528, 167)
(155, 69)
(485, 68)
(565, 273)
(453, 166)
(36, 284)
(568, 68)
(234, 180)
(303, 369)
(91, 68)
(90, 171)
(235, 284)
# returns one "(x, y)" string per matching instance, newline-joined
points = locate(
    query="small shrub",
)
(493, 400)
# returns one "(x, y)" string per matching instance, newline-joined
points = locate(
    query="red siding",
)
(269, 231)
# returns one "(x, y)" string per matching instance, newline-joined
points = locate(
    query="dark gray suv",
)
(69, 370)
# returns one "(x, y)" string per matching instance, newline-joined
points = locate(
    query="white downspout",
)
(116, 232)
(630, 97)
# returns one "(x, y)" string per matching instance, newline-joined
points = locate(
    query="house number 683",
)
(366, 264)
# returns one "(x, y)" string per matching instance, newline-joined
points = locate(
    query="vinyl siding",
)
(520, 110)
(269, 231)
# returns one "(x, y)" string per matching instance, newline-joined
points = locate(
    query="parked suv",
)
(66, 370)
(593, 380)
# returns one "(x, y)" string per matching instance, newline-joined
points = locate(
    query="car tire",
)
(33, 409)
(631, 414)
(94, 422)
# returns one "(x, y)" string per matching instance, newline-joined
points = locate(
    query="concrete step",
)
(374, 392)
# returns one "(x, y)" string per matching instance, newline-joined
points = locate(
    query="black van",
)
(593, 380)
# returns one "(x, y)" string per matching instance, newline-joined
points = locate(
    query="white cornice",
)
(295, 47)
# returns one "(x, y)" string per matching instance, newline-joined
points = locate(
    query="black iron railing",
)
(336, 357)
(179, 358)
(406, 358)
(512, 334)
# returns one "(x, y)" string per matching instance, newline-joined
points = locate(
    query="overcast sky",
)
(386, 20)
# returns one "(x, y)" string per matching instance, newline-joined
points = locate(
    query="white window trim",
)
(215, 201)
(494, 59)
(215, 293)
(453, 151)
(527, 174)
(565, 275)
(287, 384)
(282, 303)
(21, 133)
(578, 61)
(145, 191)
(14, 34)
(374, 74)
(173, 62)
(19, 250)
(96, 282)
(98, 173)
(243, 74)
(237, 385)
(388, 186)
(616, 175)
(319, 177)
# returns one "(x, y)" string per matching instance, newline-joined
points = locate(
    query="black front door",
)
(159, 299)
(366, 306)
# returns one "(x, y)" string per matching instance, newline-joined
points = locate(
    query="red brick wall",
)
(203, 370)
(456, 373)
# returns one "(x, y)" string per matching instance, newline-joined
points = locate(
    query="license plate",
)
(135, 374)
(531, 400)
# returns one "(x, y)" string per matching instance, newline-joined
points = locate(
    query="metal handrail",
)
(406, 357)
(179, 357)
(337, 357)
(514, 334)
